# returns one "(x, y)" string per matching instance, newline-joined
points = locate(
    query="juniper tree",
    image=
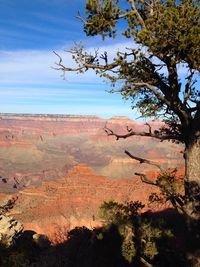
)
(165, 35)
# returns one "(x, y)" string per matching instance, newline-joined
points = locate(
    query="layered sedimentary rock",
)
(64, 167)
(74, 200)
(35, 148)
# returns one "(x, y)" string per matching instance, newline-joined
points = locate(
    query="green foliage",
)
(102, 17)
(166, 35)
(169, 183)
(118, 213)
(151, 232)
(171, 27)
(140, 234)
(128, 250)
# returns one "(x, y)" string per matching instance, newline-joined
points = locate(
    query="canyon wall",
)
(62, 168)
(34, 148)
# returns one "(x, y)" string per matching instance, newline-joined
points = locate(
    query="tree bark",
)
(192, 160)
(192, 191)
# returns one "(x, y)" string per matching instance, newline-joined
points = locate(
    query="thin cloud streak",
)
(28, 83)
(35, 66)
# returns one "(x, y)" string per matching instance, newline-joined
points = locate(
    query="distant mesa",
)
(53, 117)
(120, 118)
(26, 116)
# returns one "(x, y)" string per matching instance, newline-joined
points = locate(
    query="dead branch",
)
(130, 132)
(149, 126)
(83, 20)
(144, 179)
(145, 262)
(141, 161)
(84, 65)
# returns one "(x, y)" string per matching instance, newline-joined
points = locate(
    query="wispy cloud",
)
(35, 66)
(29, 84)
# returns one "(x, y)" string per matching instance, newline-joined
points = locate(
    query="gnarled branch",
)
(154, 91)
(154, 134)
(84, 65)
(141, 160)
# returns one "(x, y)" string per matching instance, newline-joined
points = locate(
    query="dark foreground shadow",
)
(150, 239)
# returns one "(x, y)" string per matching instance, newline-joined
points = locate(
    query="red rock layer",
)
(75, 199)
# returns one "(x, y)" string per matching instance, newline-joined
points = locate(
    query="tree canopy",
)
(159, 72)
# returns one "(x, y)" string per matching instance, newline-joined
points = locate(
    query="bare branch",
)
(145, 262)
(141, 160)
(82, 19)
(144, 179)
(130, 132)
(154, 90)
(104, 56)
(149, 127)
(60, 59)
(84, 65)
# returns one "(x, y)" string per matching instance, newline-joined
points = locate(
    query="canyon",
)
(63, 167)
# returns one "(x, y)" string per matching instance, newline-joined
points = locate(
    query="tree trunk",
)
(192, 161)
(192, 190)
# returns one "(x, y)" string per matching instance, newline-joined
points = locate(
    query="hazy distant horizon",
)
(60, 115)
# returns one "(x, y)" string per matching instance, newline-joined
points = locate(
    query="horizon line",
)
(57, 115)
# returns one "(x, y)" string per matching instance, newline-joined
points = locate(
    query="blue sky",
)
(30, 31)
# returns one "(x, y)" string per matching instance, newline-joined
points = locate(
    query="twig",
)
(84, 65)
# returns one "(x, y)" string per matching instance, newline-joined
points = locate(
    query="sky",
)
(29, 33)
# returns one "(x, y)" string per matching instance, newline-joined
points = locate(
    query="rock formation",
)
(35, 148)
(74, 200)
(10, 230)
(65, 167)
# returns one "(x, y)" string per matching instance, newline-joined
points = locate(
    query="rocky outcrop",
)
(10, 230)
(74, 200)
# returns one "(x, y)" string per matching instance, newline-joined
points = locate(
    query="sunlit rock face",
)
(57, 206)
(64, 167)
(10, 230)
(36, 148)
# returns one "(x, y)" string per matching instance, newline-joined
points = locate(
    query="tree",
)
(166, 34)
